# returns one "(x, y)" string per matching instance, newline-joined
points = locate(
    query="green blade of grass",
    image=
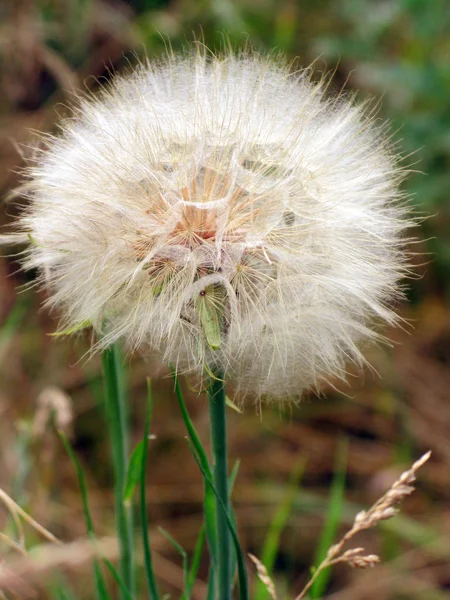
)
(182, 552)
(332, 519)
(209, 512)
(63, 595)
(117, 578)
(60, 589)
(209, 499)
(272, 541)
(195, 440)
(102, 592)
(231, 481)
(195, 563)
(11, 325)
(134, 471)
(148, 563)
(71, 330)
(242, 572)
(233, 475)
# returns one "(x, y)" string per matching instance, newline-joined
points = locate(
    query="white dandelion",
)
(226, 213)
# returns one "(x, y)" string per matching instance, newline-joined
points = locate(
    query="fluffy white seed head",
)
(226, 213)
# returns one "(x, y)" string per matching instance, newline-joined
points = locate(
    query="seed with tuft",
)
(226, 213)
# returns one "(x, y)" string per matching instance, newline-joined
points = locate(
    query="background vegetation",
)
(397, 49)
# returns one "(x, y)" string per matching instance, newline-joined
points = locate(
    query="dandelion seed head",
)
(226, 213)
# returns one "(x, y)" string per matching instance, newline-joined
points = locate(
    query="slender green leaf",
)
(232, 405)
(210, 374)
(242, 572)
(272, 541)
(195, 440)
(134, 471)
(174, 542)
(118, 579)
(102, 592)
(332, 519)
(13, 320)
(63, 595)
(209, 512)
(195, 564)
(70, 330)
(233, 475)
(209, 502)
(149, 572)
(183, 555)
(231, 482)
(60, 589)
(33, 242)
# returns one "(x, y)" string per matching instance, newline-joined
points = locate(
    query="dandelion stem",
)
(217, 408)
(118, 430)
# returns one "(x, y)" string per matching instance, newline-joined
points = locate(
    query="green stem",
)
(217, 408)
(118, 430)
(148, 562)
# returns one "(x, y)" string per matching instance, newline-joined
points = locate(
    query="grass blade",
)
(102, 592)
(209, 511)
(183, 555)
(209, 499)
(195, 440)
(332, 520)
(117, 578)
(272, 541)
(233, 475)
(12, 323)
(60, 589)
(174, 542)
(149, 572)
(231, 481)
(64, 595)
(242, 573)
(195, 564)
(134, 471)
